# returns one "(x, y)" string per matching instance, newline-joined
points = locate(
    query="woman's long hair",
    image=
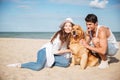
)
(64, 37)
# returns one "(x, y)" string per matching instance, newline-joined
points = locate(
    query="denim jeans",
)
(41, 61)
(61, 61)
(39, 64)
(112, 50)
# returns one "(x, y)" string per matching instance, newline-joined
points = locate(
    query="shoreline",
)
(21, 50)
(25, 38)
(37, 35)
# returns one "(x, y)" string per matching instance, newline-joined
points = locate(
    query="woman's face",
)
(68, 27)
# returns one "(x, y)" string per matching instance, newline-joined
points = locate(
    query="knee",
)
(42, 51)
(66, 63)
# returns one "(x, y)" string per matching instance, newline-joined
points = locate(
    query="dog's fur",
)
(80, 55)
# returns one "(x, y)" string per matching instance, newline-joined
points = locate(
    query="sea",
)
(37, 35)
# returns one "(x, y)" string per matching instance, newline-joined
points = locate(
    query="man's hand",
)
(84, 43)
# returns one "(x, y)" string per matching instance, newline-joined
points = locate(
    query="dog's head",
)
(77, 32)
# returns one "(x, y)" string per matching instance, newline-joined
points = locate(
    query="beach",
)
(18, 50)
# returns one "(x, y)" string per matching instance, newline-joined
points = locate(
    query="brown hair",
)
(91, 18)
(64, 37)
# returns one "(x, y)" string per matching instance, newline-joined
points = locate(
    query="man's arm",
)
(103, 42)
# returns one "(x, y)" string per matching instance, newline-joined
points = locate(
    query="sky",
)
(47, 15)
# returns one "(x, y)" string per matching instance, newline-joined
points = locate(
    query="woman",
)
(54, 53)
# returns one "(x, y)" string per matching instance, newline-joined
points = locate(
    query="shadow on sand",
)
(113, 60)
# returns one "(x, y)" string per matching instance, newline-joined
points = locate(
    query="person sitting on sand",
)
(101, 40)
(54, 53)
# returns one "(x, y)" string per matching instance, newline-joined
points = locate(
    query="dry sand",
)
(13, 50)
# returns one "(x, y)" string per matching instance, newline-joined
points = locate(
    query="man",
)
(100, 40)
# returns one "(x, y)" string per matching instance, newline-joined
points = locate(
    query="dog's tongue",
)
(74, 35)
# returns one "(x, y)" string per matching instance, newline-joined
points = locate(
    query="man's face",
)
(91, 26)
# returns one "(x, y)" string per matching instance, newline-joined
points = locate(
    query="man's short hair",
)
(91, 18)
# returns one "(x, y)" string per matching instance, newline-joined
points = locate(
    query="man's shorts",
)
(112, 49)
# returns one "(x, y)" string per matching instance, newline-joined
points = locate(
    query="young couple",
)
(57, 52)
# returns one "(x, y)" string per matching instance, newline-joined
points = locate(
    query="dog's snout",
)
(74, 33)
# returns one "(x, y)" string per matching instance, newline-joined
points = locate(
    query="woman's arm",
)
(63, 51)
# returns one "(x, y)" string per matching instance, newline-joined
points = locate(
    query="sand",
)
(15, 50)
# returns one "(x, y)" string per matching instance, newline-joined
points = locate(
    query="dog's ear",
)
(82, 33)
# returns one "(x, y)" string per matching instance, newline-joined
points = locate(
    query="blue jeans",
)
(41, 61)
(112, 50)
(61, 61)
(39, 64)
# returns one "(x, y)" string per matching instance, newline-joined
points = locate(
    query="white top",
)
(111, 38)
(51, 48)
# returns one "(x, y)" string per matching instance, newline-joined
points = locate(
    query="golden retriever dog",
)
(80, 55)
